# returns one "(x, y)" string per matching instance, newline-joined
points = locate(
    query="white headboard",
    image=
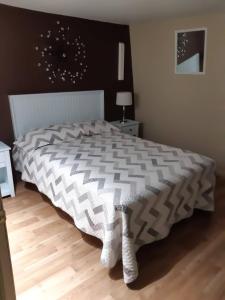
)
(32, 111)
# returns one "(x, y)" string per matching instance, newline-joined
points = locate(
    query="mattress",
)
(124, 190)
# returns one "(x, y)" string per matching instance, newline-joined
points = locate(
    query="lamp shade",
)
(124, 98)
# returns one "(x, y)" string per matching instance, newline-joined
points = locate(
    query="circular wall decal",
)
(61, 56)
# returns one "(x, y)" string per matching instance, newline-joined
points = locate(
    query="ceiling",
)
(122, 11)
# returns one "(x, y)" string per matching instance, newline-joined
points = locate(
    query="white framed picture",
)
(190, 51)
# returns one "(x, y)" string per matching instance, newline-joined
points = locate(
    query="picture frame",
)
(190, 51)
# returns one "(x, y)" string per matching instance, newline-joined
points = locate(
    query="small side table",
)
(130, 127)
(6, 178)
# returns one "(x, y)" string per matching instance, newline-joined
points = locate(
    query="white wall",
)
(182, 110)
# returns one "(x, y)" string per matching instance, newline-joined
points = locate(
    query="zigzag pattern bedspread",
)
(124, 190)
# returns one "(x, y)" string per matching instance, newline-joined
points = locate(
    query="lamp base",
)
(124, 112)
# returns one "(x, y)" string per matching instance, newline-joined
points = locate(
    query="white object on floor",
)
(6, 179)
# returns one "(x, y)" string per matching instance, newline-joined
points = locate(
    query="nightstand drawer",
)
(6, 179)
(2, 157)
(129, 127)
(132, 130)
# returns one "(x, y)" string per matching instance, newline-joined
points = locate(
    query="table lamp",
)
(124, 99)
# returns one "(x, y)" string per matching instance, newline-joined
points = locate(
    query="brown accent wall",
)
(181, 110)
(20, 31)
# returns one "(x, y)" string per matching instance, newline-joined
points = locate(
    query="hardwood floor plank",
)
(52, 259)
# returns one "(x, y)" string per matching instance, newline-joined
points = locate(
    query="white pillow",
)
(52, 135)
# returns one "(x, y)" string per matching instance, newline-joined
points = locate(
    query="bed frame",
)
(32, 111)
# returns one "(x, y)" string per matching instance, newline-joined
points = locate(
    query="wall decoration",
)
(190, 51)
(121, 54)
(57, 50)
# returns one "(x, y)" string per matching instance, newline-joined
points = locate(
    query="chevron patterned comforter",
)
(121, 189)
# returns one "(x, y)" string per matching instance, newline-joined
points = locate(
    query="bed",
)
(124, 190)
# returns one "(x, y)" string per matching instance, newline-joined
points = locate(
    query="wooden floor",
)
(53, 260)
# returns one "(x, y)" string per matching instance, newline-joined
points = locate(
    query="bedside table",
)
(129, 127)
(6, 179)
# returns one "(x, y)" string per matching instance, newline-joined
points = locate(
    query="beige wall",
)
(181, 110)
